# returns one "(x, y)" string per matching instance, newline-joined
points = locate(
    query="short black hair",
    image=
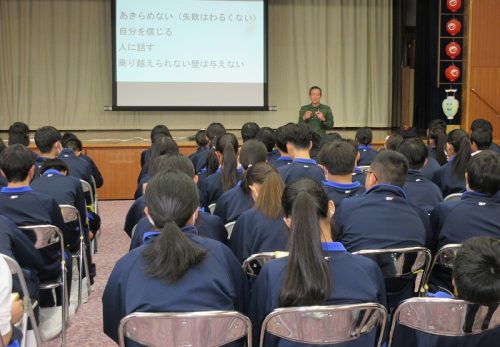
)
(481, 123)
(483, 172)
(159, 131)
(172, 163)
(74, 144)
(53, 164)
(415, 151)
(16, 162)
(252, 152)
(19, 132)
(437, 123)
(214, 131)
(315, 87)
(329, 138)
(2, 145)
(390, 167)
(476, 270)
(249, 131)
(339, 158)
(393, 141)
(482, 138)
(280, 139)
(67, 136)
(364, 136)
(46, 137)
(299, 135)
(201, 138)
(267, 137)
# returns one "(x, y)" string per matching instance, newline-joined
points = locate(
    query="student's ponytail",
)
(171, 198)
(439, 137)
(228, 145)
(461, 144)
(307, 279)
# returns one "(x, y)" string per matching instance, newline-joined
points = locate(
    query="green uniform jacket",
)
(316, 125)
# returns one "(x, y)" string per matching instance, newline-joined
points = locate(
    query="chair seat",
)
(51, 284)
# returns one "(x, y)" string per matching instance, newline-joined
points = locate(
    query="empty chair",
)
(194, 329)
(441, 267)
(325, 324)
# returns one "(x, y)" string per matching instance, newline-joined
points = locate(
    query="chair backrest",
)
(194, 329)
(364, 168)
(446, 317)
(229, 227)
(325, 324)
(445, 257)
(45, 235)
(254, 263)
(453, 197)
(401, 262)
(87, 188)
(211, 208)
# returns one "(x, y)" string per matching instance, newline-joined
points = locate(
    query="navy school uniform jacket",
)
(301, 168)
(99, 181)
(355, 279)
(211, 187)
(145, 155)
(339, 191)
(281, 161)
(381, 218)
(200, 159)
(77, 167)
(273, 155)
(447, 181)
(216, 283)
(254, 233)
(134, 215)
(359, 176)
(206, 224)
(3, 181)
(367, 154)
(231, 204)
(430, 168)
(140, 186)
(421, 191)
(494, 147)
(39, 161)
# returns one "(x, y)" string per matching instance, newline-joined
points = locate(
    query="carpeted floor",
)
(86, 327)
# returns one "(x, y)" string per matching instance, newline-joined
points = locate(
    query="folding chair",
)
(194, 329)
(453, 197)
(229, 227)
(398, 266)
(254, 263)
(364, 168)
(211, 208)
(445, 317)
(15, 269)
(87, 188)
(70, 214)
(96, 200)
(444, 259)
(325, 324)
(45, 236)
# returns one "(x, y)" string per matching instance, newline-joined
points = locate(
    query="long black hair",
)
(307, 279)
(438, 135)
(227, 145)
(214, 131)
(459, 140)
(171, 199)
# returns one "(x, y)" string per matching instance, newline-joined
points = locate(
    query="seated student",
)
(436, 141)
(19, 133)
(392, 141)
(382, 217)
(213, 132)
(267, 136)
(339, 161)
(231, 204)
(77, 167)
(207, 224)
(451, 177)
(480, 140)
(159, 130)
(316, 143)
(419, 190)
(11, 312)
(201, 143)
(358, 175)
(486, 126)
(318, 270)
(261, 228)
(364, 138)
(249, 131)
(48, 142)
(283, 158)
(177, 270)
(228, 173)
(298, 139)
(329, 138)
(99, 181)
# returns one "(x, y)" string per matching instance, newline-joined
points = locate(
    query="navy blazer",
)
(231, 204)
(447, 181)
(359, 176)
(339, 191)
(145, 155)
(77, 167)
(216, 283)
(134, 215)
(254, 233)
(39, 161)
(273, 155)
(421, 191)
(355, 279)
(3, 181)
(211, 187)
(199, 160)
(367, 154)
(430, 168)
(381, 218)
(281, 161)
(99, 181)
(301, 168)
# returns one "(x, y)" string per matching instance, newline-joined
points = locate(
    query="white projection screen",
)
(189, 55)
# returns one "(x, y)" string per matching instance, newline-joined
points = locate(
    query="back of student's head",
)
(67, 136)
(159, 131)
(437, 123)
(437, 138)
(201, 138)
(459, 140)
(214, 131)
(407, 132)
(268, 200)
(74, 144)
(483, 172)
(476, 270)
(481, 123)
(2, 145)
(415, 151)
(19, 133)
(267, 136)
(252, 152)
(390, 167)
(329, 138)
(171, 199)
(16, 162)
(339, 158)
(482, 139)
(53, 164)
(280, 139)
(393, 141)
(46, 137)
(249, 131)
(299, 135)
(172, 162)
(364, 136)
(307, 279)
(227, 145)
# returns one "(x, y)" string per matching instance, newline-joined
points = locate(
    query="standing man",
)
(318, 116)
